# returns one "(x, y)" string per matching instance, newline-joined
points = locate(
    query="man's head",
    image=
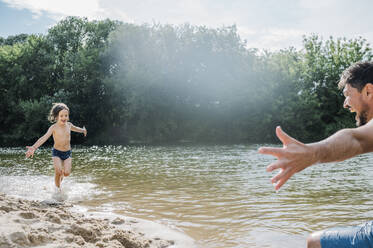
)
(357, 75)
(357, 84)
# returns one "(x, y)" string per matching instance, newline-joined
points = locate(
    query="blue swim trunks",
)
(348, 237)
(62, 155)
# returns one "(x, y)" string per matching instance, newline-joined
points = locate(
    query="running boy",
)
(61, 153)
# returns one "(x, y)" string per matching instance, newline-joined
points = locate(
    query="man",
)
(357, 84)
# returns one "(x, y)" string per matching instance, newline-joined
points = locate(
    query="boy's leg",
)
(67, 167)
(58, 170)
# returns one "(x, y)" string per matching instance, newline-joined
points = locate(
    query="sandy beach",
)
(25, 223)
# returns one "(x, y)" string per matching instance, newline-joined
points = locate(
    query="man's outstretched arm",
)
(295, 156)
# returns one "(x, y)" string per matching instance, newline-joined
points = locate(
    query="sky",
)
(264, 24)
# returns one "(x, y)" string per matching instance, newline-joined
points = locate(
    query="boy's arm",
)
(78, 129)
(39, 142)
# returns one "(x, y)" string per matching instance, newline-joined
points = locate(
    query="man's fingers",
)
(284, 137)
(279, 175)
(274, 166)
(274, 151)
(281, 178)
(282, 182)
(286, 158)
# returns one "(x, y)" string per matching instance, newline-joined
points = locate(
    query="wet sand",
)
(25, 223)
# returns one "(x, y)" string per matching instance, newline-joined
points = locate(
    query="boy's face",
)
(63, 116)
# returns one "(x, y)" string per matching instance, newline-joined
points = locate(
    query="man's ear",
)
(369, 90)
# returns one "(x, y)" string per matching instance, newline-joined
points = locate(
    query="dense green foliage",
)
(163, 83)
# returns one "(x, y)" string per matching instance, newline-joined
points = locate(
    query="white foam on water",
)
(42, 187)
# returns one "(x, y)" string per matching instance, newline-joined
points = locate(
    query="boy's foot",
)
(58, 190)
(58, 195)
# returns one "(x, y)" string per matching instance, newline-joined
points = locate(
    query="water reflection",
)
(219, 195)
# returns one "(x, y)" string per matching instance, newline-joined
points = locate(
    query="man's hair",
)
(357, 75)
(55, 110)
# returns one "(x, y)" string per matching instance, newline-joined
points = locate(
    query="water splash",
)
(42, 187)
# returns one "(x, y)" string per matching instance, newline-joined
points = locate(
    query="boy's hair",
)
(357, 75)
(55, 110)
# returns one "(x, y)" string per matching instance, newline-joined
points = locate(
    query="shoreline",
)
(32, 223)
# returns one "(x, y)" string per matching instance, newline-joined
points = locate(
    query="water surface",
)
(219, 195)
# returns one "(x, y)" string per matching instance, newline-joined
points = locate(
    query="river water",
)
(219, 195)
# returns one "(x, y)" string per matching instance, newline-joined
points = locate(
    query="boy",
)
(61, 152)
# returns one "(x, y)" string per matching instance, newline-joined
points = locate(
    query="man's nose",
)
(345, 104)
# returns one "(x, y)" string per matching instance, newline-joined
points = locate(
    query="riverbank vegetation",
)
(166, 84)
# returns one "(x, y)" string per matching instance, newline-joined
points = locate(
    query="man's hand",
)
(292, 158)
(30, 151)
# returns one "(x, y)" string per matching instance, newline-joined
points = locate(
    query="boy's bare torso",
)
(61, 137)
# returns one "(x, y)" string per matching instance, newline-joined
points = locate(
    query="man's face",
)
(355, 103)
